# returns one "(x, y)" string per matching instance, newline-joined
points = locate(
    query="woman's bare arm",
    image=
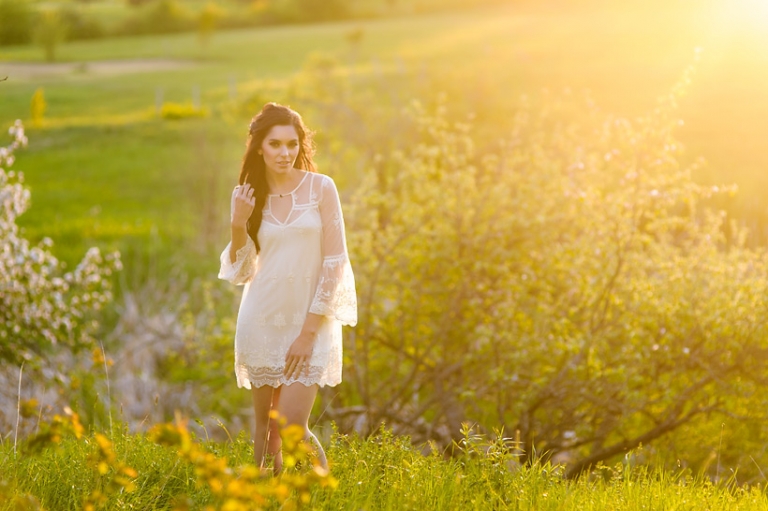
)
(242, 207)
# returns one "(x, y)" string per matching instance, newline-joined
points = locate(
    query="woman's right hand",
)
(242, 205)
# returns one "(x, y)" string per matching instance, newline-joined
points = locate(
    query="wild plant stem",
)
(719, 448)
(109, 392)
(18, 411)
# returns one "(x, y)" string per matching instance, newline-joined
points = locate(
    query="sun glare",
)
(747, 13)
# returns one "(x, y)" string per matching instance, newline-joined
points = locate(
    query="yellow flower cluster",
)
(103, 461)
(247, 488)
(51, 432)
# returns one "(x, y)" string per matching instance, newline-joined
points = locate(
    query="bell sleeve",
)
(244, 267)
(335, 294)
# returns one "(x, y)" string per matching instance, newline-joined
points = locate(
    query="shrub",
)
(160, 17)
(41, 307)
(80, 26)
(16, 22)
(176, 111)
(138, 3)
(565, 282)
(289, 11)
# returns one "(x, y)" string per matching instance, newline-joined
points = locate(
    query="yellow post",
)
(38, 107)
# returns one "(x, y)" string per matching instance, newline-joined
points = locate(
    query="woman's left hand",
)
(297, 358)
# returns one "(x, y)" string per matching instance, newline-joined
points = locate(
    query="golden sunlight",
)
(745, 14)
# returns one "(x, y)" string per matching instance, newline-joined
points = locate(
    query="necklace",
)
(285, 194)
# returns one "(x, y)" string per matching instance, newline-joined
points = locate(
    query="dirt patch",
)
(27, 70)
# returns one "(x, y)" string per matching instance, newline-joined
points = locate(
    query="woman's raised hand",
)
(242, 205)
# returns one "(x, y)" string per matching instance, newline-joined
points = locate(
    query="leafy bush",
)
(565, 282)
(178, 111)
(16, 22)
(79, 25)
(283, 11)
(138, 3)
(160, 17)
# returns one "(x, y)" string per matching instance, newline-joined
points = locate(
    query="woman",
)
(289, 250)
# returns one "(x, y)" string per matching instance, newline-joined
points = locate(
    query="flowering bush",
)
(40, 305)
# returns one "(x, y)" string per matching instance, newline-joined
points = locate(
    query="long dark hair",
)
(253, 170)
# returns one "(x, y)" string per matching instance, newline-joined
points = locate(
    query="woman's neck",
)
(283, 183)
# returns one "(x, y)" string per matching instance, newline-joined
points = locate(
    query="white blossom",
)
(42, 306)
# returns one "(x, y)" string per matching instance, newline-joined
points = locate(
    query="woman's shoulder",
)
(322, 183)
(323, 179)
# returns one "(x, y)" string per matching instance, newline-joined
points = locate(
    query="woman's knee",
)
(294, 419)
(296, 403)
(307, 432)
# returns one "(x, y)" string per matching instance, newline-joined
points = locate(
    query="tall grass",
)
(384, 472)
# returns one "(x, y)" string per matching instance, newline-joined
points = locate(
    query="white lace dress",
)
(302, 267)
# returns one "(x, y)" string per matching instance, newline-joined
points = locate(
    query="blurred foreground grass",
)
(381, 473)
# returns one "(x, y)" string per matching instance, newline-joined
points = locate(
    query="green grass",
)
(111, 184)
(381, 473)
(100, 148)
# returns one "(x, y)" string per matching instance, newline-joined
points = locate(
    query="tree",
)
(207, 22)
(160, 17)
(50, 32)
(568, 284)
(287, 11)
(316, 10)
(41, 306)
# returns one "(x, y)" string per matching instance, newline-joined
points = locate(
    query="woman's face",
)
(280, 148)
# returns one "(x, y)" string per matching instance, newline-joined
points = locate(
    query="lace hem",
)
(244, 267)
(335, 295)
(250, 376)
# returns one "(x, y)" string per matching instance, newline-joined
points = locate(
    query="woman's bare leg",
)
(266, 438)
(275, 442)
(295, 405)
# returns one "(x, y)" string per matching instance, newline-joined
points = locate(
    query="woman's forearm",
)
(239, 237)
(312, 324)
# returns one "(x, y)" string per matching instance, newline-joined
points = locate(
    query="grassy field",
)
(382, 473)
(103, 169)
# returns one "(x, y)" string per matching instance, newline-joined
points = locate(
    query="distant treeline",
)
(20, 20)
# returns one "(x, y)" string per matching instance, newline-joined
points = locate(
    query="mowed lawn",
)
(105, 170)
